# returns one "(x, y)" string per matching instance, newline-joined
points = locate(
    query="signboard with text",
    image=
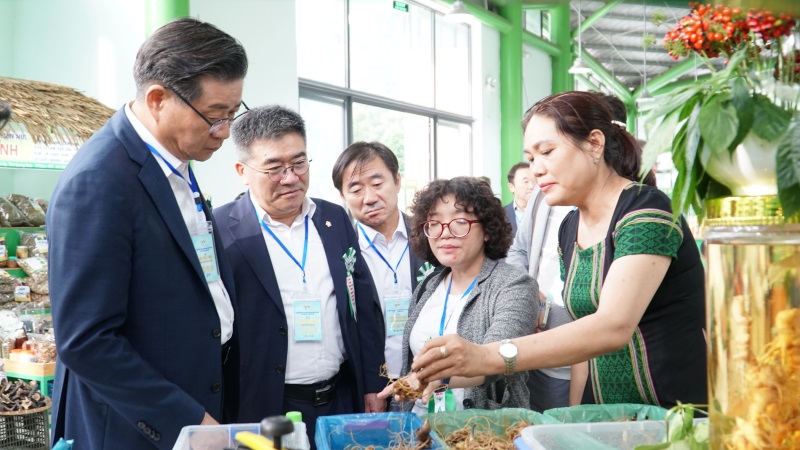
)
(18, 151)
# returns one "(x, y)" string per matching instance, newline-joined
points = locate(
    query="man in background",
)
(309, 325)
(366, 175)
(520, 183)
(142, 306)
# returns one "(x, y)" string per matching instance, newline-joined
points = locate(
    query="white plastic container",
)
(212, 436)
(298, 440)
(594, 436)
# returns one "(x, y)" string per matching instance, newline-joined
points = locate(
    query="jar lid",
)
(746, 211)
(294, 416)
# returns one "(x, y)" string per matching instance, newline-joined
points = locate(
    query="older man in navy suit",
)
(140, 287)
(309, 326)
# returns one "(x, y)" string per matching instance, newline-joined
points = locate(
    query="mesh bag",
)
(620, 412)
(25, 430)
(469, 428)
(393, 430)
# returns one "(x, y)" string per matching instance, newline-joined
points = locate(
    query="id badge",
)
(203, 242)
(307, 313)
(396, 315)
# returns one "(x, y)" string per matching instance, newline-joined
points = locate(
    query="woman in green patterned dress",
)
(633, 278)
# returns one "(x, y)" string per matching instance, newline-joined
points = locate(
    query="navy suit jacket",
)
(262, 325)
(135, 324)
(512, 218)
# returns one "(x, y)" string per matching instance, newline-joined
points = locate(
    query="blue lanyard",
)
(305, 246)
(192, 182)
(442, 324)
(371, 244)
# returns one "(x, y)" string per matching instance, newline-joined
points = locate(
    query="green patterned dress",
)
(664, 361)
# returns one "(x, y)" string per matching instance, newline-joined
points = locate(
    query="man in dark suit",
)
(366, 175)
(309, 327)
(141, 290)
(520, 183)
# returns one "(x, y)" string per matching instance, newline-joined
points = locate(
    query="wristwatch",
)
(508, 350)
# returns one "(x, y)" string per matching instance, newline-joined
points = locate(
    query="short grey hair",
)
(265, 123)
(183, 52)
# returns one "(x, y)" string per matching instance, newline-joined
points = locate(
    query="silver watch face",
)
(508, 350)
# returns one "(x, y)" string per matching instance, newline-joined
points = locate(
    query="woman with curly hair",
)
(460, 226)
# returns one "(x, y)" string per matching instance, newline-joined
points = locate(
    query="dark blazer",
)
(263, 329)
(137, 330)
(512, 218)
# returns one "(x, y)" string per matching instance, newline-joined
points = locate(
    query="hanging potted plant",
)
(732, 132)
(735, 141)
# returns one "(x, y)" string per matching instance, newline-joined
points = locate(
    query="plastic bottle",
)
(298, 440)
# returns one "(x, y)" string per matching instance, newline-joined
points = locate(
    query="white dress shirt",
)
(307, 362)
(549, 277)
(188, 207)
(383, 277)
(427, 326)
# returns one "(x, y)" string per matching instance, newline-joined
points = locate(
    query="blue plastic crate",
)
(376, 429)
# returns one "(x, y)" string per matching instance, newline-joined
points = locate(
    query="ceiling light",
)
(645, 97)
(458, 13)
(579, 68)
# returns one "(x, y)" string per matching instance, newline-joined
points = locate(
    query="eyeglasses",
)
(213, 126)
(459, 227)
(278, 173)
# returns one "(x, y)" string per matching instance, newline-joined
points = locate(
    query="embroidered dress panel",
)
(622, 376)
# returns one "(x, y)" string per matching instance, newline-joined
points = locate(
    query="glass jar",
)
(753, 313)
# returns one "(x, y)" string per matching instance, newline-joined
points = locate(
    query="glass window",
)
(452, 67)
(453, 149)
(533, 21)
(407, 135)
(321, 41)
(391, 51)
(325, 136)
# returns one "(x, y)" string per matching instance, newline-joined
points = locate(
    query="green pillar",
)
(159, 12)
(561, 35)
(510, 92)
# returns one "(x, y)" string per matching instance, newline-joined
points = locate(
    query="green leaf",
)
(675, 100)
(769, 121)
(788, 164)
(744, 104)
(692, 142)
(718, 122)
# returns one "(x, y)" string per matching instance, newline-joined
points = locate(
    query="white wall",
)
(85, 44)
(267, 31)
(486, 129)
(537, 78)
(91, 45)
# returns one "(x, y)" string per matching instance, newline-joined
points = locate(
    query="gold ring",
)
(443, 351)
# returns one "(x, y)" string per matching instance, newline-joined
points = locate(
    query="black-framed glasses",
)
(459, 227)
(213, 127)
(278, 173)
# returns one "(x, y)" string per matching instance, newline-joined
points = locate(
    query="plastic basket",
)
(481, 420)
(620, 412)
(25, 430)
(195, 437)
(594, 436)
(380, 430)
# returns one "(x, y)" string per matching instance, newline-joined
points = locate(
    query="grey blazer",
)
(499, 307)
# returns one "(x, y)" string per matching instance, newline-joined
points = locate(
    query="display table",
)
(43, 373)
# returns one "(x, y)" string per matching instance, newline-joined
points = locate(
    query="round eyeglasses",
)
(278, 173)
(213, 127)
(459, 227)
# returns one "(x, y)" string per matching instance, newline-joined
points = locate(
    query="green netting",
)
(481, 420)
(621, 412)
